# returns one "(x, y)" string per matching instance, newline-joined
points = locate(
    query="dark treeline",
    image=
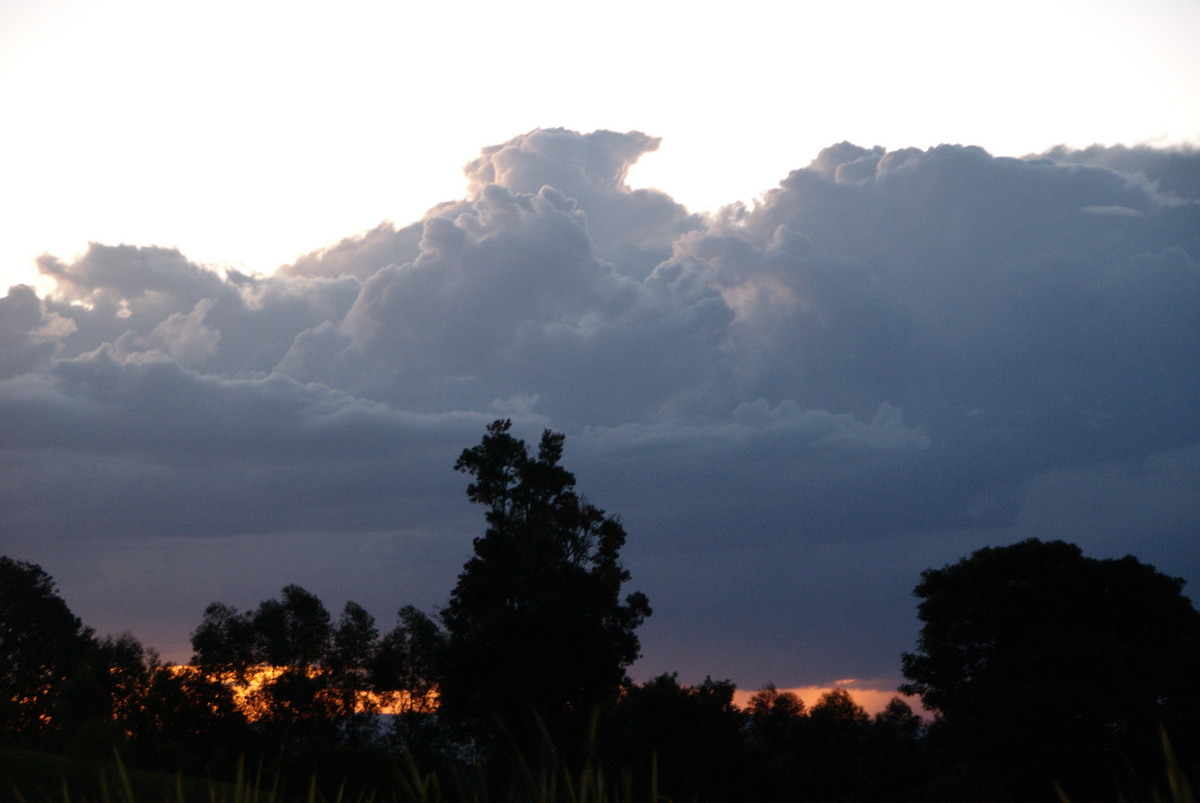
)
(1047, 672)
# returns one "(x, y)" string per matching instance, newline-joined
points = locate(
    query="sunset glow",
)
(872, 701)
(249, 700)
(246, 694)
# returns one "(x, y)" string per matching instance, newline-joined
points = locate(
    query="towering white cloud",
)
(889, 359)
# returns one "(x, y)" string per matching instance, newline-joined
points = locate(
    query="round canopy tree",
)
(536, 624)
(1058, 664)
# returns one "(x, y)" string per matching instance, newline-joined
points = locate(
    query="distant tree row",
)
(1045, 670)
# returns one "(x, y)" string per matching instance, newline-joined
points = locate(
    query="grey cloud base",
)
(891, 359)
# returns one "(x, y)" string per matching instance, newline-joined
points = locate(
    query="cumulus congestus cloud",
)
(915, 352)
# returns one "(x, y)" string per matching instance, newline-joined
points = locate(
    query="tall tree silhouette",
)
(536, 624)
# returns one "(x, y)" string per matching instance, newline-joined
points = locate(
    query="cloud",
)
(1175, 170)
(633, 229)
(510, 298)
(360, 255)
(1018, 299)
(796, 405)
(28, 332)
(149, 298)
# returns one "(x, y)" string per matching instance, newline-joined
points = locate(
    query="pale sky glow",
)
(249, 133)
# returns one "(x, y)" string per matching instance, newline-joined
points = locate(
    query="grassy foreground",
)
(31, 776)
(35, 777)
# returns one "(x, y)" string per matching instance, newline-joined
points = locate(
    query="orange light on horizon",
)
(873, 701)
(397, 701)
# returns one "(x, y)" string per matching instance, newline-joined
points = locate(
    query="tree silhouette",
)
(778, 736)
(295, 637)
(839, 730)
(283, 651)
(225, 645)
(351, 662)
(690, 740)
(189, 721)
(100, 707)
(41, 643)
(899, 766)
(405, 674)
(1044, 664)
(536, 625)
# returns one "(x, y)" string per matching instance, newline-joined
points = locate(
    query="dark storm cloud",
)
(106, 445)
(891, 359)
(1175, 170)
(1015, 294)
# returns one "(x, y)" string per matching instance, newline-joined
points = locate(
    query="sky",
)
(821, 298)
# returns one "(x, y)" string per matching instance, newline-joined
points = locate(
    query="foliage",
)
(405, 672)
(313, 689)
(1041, 662)
(687, 737)
(101, 701)
(1053, 676)
(833, 751)
(280, 652)
(41, 642)
(407, 659)
(351, 658)
(536, 626)
(122, 698)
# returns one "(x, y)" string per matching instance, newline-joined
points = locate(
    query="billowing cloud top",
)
(888, 360)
